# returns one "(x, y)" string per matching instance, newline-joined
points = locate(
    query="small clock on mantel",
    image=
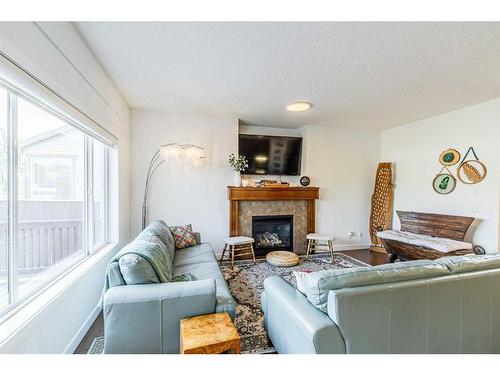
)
(305, 181)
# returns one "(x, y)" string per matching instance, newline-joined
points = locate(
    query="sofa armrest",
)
(294, 325)
(145, 318)
(197, 237)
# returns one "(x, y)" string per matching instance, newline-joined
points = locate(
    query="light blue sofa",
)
(141, 313)
(451, 305)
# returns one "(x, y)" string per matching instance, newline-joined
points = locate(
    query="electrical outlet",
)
(350, 235)
(474, 208)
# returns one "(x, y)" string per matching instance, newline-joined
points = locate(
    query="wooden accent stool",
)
(313, 243)
(238, 246)
(209, 334)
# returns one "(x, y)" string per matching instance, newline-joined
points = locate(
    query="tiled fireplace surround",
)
(296, 201)
(298, 209)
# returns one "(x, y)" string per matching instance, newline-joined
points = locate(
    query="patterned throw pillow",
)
(183, 236)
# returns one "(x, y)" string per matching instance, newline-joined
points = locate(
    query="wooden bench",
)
(435, 225)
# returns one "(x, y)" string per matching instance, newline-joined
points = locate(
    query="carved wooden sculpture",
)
(381, 212)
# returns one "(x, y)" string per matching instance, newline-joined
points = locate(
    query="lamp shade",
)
(171, 151)
(195, 152)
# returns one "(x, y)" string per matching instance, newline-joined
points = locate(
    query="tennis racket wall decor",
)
(471, 171)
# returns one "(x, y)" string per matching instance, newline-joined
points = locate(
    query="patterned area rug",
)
(246, 282)
(97, 346)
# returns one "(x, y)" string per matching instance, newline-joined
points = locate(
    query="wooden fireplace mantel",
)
(236, 194)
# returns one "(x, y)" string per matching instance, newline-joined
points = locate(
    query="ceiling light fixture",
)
(298, 106)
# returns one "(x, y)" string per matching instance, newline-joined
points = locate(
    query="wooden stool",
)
(313, 244)
(238, 247)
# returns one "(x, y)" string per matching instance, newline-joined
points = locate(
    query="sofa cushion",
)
(114, 276)
(444, 245)
(201, 253)
(210, 270)
(137, 270)
(160, 230)
(150, 236)
(140, 260)
(319, 283)
(301, 279)
(470, 263)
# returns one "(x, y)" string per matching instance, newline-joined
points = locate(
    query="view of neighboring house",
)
(53, 164)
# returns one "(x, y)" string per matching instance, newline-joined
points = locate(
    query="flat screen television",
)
(272, 155)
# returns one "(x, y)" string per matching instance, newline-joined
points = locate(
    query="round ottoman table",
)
(282, 258)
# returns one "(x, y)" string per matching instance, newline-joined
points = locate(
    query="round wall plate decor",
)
(444, 183)
(449, 157)
(471, 172)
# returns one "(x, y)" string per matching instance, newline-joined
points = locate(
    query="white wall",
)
(342, 162)
(415, 148)
(58, 56)
(265, 130)
(181, 194)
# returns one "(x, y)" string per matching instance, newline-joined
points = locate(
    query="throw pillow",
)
(301, 277)
(183, 236)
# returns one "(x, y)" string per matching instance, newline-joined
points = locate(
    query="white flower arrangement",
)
(238, 163)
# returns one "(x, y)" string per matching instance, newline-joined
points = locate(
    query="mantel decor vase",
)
(239, 164)
(237, 179)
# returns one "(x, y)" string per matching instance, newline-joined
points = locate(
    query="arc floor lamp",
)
(165, 152)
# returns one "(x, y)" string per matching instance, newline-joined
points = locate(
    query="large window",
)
(4, 186)
(53, 197)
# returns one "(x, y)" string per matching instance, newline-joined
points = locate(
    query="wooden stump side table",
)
(209, 334)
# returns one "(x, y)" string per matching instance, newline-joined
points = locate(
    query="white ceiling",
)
(357, 75)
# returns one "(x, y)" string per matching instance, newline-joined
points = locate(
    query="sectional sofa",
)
(451, 305)
(141, 312)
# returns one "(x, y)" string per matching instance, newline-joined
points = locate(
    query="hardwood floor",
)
(367, 256)
(97, 328)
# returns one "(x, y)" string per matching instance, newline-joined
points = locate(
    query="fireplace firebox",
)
(272, 233)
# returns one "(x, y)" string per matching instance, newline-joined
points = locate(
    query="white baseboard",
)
(75, 341)
(351, 246)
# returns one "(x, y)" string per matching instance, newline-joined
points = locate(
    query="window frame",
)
(93, 248)
(14, 302)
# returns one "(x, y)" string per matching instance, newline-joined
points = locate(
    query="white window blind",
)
(26, 84)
